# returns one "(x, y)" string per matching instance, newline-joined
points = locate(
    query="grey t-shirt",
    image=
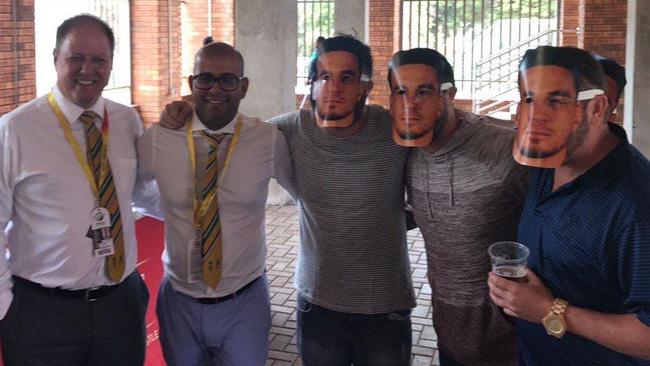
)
(350, 191)
(466, 196)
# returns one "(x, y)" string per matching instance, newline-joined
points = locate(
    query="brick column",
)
(155, 71)
(569, 21)
(605, 29)
(384, 40)
(605, 25)
(17, 59)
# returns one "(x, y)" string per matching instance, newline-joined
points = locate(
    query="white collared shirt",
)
(260, 154)
(229, 128)
(45, 195)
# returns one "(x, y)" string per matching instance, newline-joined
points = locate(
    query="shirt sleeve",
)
(6, 209)
(146, 197)
(633, 273)
(282, 162)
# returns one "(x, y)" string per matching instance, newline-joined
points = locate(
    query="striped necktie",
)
(211, 241)
(107, 196)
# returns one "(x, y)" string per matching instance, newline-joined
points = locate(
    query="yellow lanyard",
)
(81, 157)
(199, 211)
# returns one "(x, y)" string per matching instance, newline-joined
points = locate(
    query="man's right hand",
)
(175, 114)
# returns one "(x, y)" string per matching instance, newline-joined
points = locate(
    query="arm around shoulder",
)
(283, 170)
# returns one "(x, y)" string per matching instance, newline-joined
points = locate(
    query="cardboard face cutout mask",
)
(337, 89)
(547, 115)
(415, 103)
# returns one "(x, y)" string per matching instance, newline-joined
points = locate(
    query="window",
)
(50, 14)
(315, 18)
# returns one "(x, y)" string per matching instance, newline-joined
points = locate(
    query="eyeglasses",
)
(227, 82)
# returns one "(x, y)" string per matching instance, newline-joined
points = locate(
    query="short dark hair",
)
(81, 19)
(614, 71)
(586, 71)
(207, 40)
(345, 43)
(425, 56)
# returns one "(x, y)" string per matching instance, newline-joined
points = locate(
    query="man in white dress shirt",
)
(69, 292)
(213, 177)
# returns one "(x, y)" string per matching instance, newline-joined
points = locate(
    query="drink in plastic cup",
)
(509, 260)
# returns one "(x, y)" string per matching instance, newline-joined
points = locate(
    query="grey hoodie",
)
(466, 196)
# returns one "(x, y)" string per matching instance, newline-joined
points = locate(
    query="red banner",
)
(150, 235)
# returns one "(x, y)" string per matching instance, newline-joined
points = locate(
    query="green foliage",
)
(315, 18)
(450, 16)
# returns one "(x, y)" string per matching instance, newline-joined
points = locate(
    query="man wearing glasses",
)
(213, 305)
(353, 276)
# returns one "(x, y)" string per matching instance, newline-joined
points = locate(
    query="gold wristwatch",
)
(554, 320)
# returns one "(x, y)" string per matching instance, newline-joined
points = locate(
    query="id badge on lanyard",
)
(100, 218)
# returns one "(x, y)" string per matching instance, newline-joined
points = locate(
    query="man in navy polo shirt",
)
(586, 222)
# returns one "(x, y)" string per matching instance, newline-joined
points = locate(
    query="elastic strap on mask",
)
(589, 94)
(446, 86)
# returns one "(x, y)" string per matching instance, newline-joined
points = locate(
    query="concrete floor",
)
(282, 239)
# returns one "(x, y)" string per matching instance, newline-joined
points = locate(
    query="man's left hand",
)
(528, 300)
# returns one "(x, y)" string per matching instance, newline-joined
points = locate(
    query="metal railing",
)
(495, 83)
(315, 18)
(469, 32)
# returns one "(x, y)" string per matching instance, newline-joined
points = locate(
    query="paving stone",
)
(421, 361)
(279, 343)
(282, 253)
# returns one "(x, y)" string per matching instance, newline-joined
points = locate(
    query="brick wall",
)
(155, 71)
(17, 63)
(384, 38)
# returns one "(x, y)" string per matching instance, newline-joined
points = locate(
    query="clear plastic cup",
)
(509, 260)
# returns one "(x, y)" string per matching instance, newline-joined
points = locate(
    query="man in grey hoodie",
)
(466, 192)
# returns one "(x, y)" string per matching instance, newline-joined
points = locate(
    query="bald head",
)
(218, 84)
(219, 50)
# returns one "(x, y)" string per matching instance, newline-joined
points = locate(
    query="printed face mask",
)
(337, 89)
(548, 115)
(415, 104)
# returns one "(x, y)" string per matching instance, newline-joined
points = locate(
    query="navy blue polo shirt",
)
(590, 245)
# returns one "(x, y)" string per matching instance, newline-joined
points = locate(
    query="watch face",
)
(554, 325)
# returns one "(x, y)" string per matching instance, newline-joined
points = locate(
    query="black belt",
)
(91, 294)
(216, 300)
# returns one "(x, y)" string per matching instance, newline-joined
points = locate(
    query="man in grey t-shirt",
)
(353, 275)
(466, 192)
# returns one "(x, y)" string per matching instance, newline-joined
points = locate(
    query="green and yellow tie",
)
(98, 162)
(211, 241)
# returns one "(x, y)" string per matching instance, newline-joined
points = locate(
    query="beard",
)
(573, 143)
(540, 154)
(332, 116)
(576, 139)
(411, 135)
